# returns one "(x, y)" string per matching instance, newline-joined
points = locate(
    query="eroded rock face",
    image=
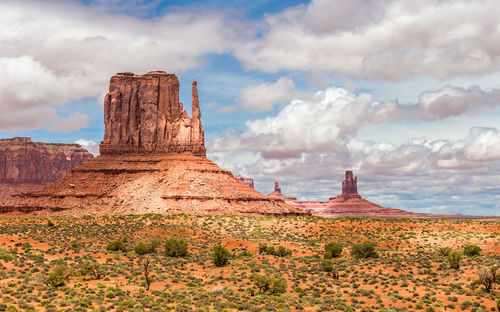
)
(142, 114)
(350, 186)
(152, 161)
(28, 166)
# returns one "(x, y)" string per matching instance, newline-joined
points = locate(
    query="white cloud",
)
(53, 52)
(335, 114)
(309, 144)
(89, 145)
(265, 96)
(391, 40)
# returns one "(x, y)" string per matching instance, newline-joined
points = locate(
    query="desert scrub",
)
(116, 246)
(364, 250)
(472, 250)
(176, 247)
(143, 249)
(454, 259)
(220, 255)
(333, 250)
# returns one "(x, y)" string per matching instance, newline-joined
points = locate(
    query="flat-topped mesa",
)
(143, 115)
(350, 186)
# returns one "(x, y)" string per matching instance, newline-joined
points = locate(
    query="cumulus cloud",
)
(265, 96)
(53, 52)
(89, 145)
(335, 114)
(391, 40)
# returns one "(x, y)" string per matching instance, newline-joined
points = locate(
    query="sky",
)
(404, 93)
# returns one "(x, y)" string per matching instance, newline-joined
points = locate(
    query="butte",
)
(349, 203)
(153, 160)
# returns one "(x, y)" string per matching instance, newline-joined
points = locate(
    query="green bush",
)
(266, 284)
(364, 250)
(93, 268)
(444, 251)
(176, 247)
(270, 250)
(58, 276)
(333, 250)
(454, 260)
(143, 249)
(5, 255)
(472, 250)
(262, 248)
(220, 255)
(116, 246)
(327, 265)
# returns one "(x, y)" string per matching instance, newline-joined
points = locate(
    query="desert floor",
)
(408, 275)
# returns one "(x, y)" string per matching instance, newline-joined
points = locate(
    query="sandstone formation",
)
(28, 166)
(142, 114)
(152, 161)
(350, 186)
(246, 181)
(349, 203)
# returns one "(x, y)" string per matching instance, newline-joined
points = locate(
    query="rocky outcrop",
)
(350, 186)
(142, 114)
(246, 181)
(152, 161)
(349, 203)
(28, 166)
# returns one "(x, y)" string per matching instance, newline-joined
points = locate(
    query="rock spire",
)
(350, 185)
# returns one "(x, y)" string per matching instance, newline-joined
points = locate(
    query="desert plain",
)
(410, 272)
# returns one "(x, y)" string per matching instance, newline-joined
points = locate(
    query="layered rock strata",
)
(152, 161)
(142, 114)
(28, 166)
(349, 203)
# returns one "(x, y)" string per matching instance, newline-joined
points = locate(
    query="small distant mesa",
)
(152, 161)
(349, 203)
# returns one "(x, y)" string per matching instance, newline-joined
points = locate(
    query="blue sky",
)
(405, 94)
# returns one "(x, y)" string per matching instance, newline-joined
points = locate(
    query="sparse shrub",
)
(57, 277)
(5, 255)
(93, 269)
(472, 250)
(50, 223)
(454, 259)
(333, 250)
(116, 246)
(488, 276)
(271, 285)
(327, 265)
(262, 248)
(75, 245)
(176, 247)
(143, 249)
(270, 250)
(220, 255)
(444, 251)
(364, 250)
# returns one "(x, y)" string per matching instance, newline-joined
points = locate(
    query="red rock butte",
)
(349, 203)
(152, 161)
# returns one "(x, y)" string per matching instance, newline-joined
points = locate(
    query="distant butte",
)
(152, 161)
(349, 203)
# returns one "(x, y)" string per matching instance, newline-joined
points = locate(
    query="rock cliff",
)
(28, 166)
(152, 161)
(142, 114)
